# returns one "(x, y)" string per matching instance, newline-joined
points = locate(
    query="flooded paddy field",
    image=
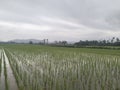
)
(7, 81)
(35, 67)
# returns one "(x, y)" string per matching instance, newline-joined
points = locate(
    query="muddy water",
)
(12, 85)
(2, 78)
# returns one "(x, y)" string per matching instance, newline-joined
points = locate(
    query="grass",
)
(57, 68)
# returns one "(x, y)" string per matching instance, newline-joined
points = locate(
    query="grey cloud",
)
(86, 12)
(114, 20)
(70, 15)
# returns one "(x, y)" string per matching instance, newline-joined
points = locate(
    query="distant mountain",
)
(26, 41)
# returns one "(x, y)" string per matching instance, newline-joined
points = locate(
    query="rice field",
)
(0, 62)
(54, 68)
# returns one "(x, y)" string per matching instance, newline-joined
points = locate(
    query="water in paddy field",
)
(2, 78)
(12, 85)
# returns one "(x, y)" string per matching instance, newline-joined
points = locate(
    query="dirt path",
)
(12, 85)
(2, 78)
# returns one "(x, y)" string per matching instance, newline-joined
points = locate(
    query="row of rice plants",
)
(3, 72)
(64, 70)
(0, 62)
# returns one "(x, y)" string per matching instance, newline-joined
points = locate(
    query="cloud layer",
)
(70, 20)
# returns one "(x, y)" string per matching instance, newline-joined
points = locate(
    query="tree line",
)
(115, 41)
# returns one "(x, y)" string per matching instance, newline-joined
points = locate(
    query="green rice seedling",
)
(5, 73)
(54, 68)
(0, 62)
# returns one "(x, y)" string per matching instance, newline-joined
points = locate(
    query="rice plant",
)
(46, 68)
(0, 63)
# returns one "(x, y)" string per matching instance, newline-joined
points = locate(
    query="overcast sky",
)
(71, 20)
